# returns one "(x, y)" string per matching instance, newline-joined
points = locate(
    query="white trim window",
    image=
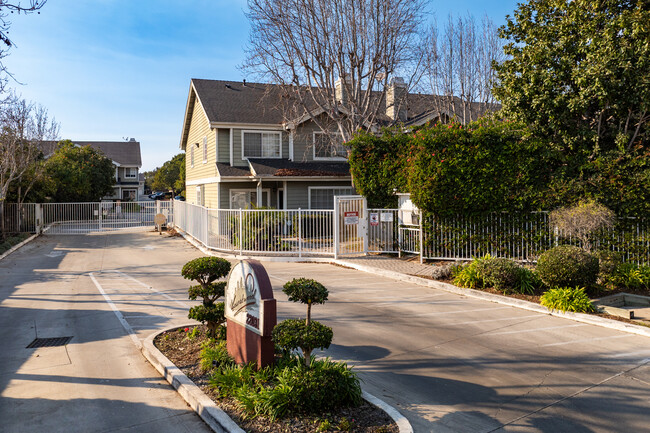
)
(329, 146)
(247, 198)
(192, 155)
(130, 172)
(205, 150)
(200, 195)
(261, 144)
(322, 197)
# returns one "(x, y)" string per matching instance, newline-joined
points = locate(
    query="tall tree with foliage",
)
(79, 174)
(171, 176)
(579, 73)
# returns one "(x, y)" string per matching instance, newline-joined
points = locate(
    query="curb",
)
(203, 405)
(15, 247)
(518, 303)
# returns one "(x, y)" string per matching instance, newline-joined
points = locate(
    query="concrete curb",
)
(518, 303)
(203, 405)
(15, 247)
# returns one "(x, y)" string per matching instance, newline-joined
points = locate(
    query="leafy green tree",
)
(307, 334)
(80, 174)
(579, 73)
(206, 270)
(171, 176)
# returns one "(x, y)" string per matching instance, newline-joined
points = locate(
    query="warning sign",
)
(374, 219)
(351, 218)
(387, 217)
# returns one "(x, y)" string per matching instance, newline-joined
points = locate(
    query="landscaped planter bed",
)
(184, 352)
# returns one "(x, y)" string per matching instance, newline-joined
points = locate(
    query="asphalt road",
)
(447, 362)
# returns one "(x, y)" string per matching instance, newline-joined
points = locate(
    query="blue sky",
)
(109, 69)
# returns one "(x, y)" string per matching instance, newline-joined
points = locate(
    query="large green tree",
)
(171, 176)
(578, 73)
(79, 174)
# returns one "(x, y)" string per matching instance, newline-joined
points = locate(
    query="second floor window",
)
(261, 145)
(130, 173)
(329, 146)
(205, 150)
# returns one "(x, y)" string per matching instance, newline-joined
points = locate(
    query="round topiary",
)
(567, 266)
(296, 334)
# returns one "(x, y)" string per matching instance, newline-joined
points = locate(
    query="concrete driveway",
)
(447, 362)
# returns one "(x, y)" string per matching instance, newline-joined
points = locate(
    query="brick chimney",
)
(396, 100)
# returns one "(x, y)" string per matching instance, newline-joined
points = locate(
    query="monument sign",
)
(250, 314)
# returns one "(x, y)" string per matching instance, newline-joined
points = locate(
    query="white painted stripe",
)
(587, 340)
(122, 274)
(497, 320)
(435, 313)
(536, 329)
(118, 314)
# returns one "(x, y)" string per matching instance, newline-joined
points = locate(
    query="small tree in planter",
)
(305, 335)
(583, 221)
(205, 270)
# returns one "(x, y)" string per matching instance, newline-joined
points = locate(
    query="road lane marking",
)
(537, 329)
(587, 340)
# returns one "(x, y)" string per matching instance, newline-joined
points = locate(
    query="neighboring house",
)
(242, 152)
(126, 159)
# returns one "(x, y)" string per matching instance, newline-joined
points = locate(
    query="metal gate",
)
(350, 225)
(82, 218)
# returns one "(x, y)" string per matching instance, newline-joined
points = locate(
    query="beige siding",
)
(199, 128)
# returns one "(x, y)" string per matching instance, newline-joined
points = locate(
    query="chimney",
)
(341, 93)
(396, 100)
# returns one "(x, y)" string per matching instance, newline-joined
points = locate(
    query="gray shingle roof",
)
(125, 153)
(287, 168)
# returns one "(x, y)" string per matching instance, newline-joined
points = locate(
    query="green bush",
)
(608, 262)
(289, 388)
(205, 270)
(294, 334)
(467, 276)
(567, 299)
(567, 265)
(215, 355)
(631, 276)
(502, 274)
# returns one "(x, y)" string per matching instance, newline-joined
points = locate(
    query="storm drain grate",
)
(49, 342)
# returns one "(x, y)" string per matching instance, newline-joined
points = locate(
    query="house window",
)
(130, 173)
(329, 146)
(247, 198)
(205, 150)
(192, 155)
(261, 144)
(200, 195)
(323, 197)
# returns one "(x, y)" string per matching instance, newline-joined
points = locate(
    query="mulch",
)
(184, 352)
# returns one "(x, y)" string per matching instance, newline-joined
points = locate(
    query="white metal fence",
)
(82, 218)
(258, 231)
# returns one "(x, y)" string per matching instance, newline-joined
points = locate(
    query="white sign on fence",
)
(374, 219)
(351, 218)
(387, 217)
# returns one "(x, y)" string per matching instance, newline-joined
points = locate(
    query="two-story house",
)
(242, 150)
(126, 159)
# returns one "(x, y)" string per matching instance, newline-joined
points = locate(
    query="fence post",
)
(336, 228)
(207, 231)
(299, 232)
(241, 233)
(38, 216)
(421, 238)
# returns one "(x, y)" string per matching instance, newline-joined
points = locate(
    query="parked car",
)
(167, 195)
(179, 198)
(153, 194)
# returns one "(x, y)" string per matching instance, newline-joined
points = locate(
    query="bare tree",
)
(459, 66)
(335, 58)
(23, 125)
(7, 8)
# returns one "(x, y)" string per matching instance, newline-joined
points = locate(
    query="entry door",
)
(351, 228)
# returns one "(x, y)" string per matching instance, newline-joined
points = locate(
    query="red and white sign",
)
(351, 218)
(374, 218)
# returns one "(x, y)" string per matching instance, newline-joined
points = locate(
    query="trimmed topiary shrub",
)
(567, 299)
(502, 274)
(205, 270)
(567, 265)
(306, 335)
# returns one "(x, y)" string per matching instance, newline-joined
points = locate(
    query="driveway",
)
(447, 362)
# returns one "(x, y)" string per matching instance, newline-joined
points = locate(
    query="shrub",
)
(631, 276)
(289, 388)
(608, 262)
(528, 282)
(205, 270)
(294, 334)
(582, 221)
(567, 265)
(469, 275)
(567, 299)
(215, 355)
(502, 274)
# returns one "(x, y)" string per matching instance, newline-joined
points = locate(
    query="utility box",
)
(408, 214)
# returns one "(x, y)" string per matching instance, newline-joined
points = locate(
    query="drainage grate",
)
(49, 342)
